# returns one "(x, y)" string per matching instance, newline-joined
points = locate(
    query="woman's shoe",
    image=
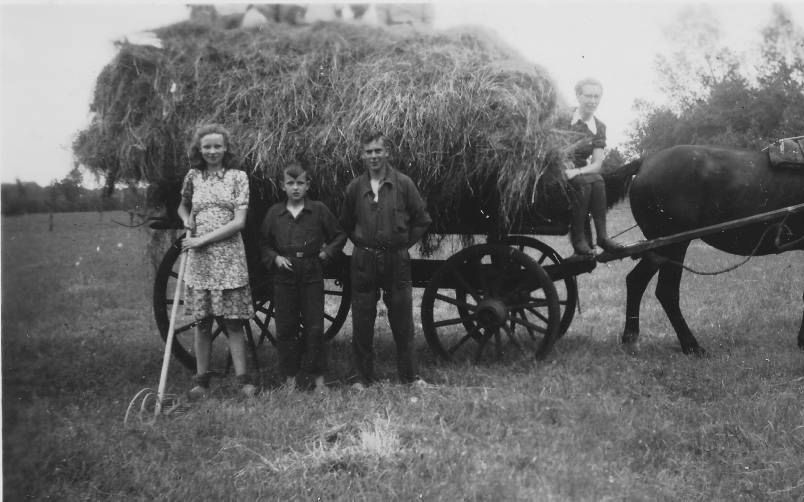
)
(201, 388)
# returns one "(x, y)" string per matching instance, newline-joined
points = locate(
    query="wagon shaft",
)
(646, 245)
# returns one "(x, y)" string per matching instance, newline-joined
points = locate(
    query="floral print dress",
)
(217, 274)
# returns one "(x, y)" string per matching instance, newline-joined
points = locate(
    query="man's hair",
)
(370, 135)
(296, 169)
(586, 81)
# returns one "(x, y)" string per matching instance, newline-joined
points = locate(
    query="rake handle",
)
(171, 329)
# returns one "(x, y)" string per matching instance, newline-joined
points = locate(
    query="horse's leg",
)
(667, 291)
(636, 282)
(801, 330)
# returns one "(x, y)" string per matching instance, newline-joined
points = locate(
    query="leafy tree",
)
(70, 186)
(723, 99)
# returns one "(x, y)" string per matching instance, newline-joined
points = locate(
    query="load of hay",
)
(467, 117)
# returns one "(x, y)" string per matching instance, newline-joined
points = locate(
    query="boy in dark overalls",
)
(298, 236)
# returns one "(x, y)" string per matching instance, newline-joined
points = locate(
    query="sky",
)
(52, 53)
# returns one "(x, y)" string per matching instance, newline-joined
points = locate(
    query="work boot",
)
(579, 222)
(603, 240)
(598, 208)
(578, 239)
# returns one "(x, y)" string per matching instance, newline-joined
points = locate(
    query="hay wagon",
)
(510, 292)
(464, 111)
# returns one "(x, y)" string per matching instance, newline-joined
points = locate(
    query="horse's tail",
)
(618, 181)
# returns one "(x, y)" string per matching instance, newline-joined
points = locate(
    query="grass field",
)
(591, 423)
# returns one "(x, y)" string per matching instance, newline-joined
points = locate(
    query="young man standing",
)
(384, 215)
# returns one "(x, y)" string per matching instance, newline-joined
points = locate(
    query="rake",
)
(159, 399)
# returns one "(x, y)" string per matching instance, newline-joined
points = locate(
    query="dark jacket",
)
(580, 155)
(304, 237)
(397, 220)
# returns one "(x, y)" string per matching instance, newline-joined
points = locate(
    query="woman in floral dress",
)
(213, 208)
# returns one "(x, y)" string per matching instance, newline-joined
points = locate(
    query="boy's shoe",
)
(247, 388)
(320, 387)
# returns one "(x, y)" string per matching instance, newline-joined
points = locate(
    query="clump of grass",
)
(354, 449)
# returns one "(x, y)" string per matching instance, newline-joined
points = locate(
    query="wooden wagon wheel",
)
(336, 309)
(479, 295)
(545, 255)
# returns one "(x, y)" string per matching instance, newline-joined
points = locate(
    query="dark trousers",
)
(373, 271)
(299, 310)
(588, 195)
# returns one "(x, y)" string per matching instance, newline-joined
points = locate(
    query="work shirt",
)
(300, 239)
(396, 220)
(594, 129)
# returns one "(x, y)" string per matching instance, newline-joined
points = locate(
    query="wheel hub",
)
(491, 312)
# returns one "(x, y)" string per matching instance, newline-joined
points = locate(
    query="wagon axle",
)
(492, 313)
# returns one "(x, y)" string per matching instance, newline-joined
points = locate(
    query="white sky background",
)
(53, 52)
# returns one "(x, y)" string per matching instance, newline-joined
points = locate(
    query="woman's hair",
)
(194, 152)
(586, 81)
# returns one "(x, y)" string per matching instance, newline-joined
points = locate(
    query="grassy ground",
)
(592, 423)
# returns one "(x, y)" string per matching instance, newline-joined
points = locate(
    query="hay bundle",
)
(468, 119)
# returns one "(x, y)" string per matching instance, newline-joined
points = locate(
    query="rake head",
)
(147, 407)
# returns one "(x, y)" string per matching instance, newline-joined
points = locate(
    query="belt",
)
(300, 254)
(379, 247)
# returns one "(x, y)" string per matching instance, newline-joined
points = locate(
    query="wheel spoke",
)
(468, 336)
(512, 336)
(328, 317)
(532, 303)
(466, 287)
(333, 292)
(183, 328)
(481, 345)
(484, 281)
(452, 322)
(537, 314)
(455, 301)
(261, 323)
(528, 324)
(217, 331)
(524, 316)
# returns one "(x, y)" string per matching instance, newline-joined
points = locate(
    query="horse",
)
(687, 187)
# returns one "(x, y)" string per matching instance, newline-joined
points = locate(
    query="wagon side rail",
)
(643, 246)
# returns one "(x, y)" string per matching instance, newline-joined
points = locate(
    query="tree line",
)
(718, 96)
(66, 195)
